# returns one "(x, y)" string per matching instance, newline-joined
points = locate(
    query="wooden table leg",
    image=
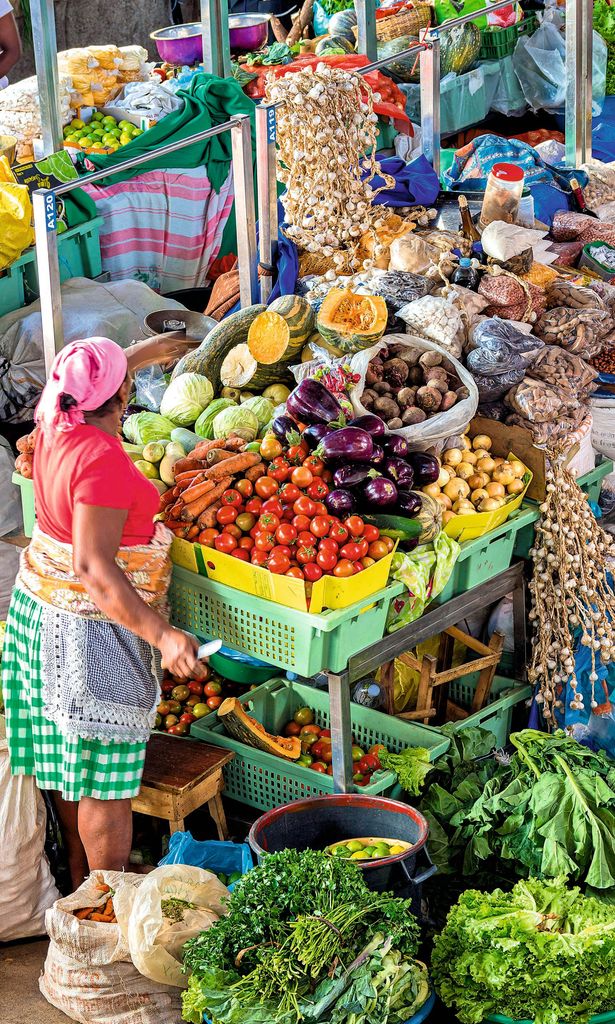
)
(176, 825)
(216, 809)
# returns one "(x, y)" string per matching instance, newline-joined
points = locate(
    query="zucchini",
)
(209, 356)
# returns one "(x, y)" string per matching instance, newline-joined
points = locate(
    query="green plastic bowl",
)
(598, 1018)
(241, 672)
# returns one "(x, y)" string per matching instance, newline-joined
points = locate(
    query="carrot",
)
(196, 490)
(218, 455)
(185, 478)
(166, 499)
(234, 443)
(83, 914)
(180, 530)
(193, 532)
(103, 887)
(194, 509)
(175, 510)
(108, 907)
(200, 450)
(186, 465)
(254, 472)
(207, 519)
(231, 467)
(103, 918)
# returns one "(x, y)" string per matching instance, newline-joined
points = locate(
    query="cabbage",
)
(236, 420)
(186, 397)
(143, 427)
(262, 409)
(204, 425)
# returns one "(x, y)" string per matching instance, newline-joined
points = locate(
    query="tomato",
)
(287, 515)
(370, 533)
(268, 522)
(320, 526)
(207, 537)
(247, 543)
(326, 560)
(365, 781)
(212, 689)
(286, 533)
(358, 567)
(232, 497)
(289, 494)
(305, 537)
(302, 476)
(264, 541)
(301, 523)
(390, 543)
(338, 532)
(355, 526)
(241, 554)
(271, 448)
(377, 550)
(318, 490)
(265, 487)
(305, 554)
(214, 702)
(245, 488)
(293, 728)
(312, 572)
(326, 544)
(327, 476)
(273, 505)
(233, 529)
(225, 543)
(363, 547)
(366, 562)
(368, 764)
(304, 506)
(278, 563)
(196, 686)
(297, 452)
(245, 521)
(281, 549)
(296, 573)
(320, 509)
(350, 551)
(344, 568)
(253, 533)
(315, 465)
(319, 766)
(280, 469)
(258, 557)
(167, 685)
(226, 514)
(254, 505)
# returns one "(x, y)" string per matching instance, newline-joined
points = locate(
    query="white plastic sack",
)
(154, 938)
(432, 431)
(603, 426)
(10, 519)
(27, 887)
(438, 319)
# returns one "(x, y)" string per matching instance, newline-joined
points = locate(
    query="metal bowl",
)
(197, 324)
(180, 44)
(248, 32)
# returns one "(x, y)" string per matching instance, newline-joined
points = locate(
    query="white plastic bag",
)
(157, 929)
(432, 431)
(438, 319)
(539, 61)
(603, 426)
(27, 887)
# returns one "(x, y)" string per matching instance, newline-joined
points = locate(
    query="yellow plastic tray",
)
(327, 592)
(463, 528)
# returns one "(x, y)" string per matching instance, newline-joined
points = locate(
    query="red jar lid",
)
(507, 172)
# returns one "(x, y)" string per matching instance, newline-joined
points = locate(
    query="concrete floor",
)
(20, 999)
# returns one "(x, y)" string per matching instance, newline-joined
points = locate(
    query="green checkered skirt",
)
(75, 767)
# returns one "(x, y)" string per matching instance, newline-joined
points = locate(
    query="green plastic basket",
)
(78, 256)
(264, 780)
(292, 640)
(26, 488)
(497, 43)
(12, 294)
(496, 717)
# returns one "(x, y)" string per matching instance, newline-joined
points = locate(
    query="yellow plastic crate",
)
(469, 527)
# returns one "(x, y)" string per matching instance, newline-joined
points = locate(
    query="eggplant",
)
(374, 426)
(313, 435)
(310, 402)
(282, 426)
(393, 444)
(380, 493)
(377, 456)
(340, 502)
(426, 468)
(348, 443)
(408, 504)
(399, 471)
(349, 475)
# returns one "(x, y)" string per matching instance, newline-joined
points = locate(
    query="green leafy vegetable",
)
(239, 73)
(277, 53)
(143, 427)
(541, 952)
(411, 766)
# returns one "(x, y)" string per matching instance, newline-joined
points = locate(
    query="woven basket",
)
(405, 23)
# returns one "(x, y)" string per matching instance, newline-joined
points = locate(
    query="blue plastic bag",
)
(212, 855)
(320, 19)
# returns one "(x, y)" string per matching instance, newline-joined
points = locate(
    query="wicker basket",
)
(404, 23)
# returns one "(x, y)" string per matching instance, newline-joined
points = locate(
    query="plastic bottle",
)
(465, 274)
(502, 194)
(525, 217)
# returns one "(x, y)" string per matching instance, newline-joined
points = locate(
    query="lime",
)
(115, 131)
(150, 471)
(98, 116)
(74, 141)
(368, 851)
(76, 123)
(137, 131)
(359, 855)
(99, 131)
(85, 142)
(125, 138)
(110, 121)
(354, 845)
(125, 125)
(397, 849)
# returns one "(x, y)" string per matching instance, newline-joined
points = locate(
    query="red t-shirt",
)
(89, 467)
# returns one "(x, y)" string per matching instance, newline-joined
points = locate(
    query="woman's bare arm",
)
(158, 351)
(10, 44)
(97, 534)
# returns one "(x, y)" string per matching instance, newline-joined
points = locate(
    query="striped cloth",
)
(74, 767)
(164, 227)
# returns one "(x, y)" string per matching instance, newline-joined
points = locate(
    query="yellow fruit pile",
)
(103, 134)
(472, 480)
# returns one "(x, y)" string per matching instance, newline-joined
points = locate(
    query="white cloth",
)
(5, 8)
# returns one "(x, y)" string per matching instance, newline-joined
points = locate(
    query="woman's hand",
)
(179, 654)
(159, 350)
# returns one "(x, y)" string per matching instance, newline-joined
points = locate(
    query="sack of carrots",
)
(85, 922)
(103, 911)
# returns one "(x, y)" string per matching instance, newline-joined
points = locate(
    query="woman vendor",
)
(87, 630)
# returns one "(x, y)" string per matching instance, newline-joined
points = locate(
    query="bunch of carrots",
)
(103, 912)
(200, 481)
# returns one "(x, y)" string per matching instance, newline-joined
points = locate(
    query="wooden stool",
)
(180, 776)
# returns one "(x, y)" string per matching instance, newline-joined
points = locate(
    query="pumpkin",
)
(343, 23)
(332, 45)
(350, 321)
(207, 359)
(241, 370)
(300, 318)
(246, 729)
(459, 48)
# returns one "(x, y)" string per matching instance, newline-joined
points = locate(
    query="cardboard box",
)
(508, 439)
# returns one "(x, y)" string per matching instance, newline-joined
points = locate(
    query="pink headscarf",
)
(84, 375)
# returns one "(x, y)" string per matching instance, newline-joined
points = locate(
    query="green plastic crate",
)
(12, 294)
(78, 256)
(292, 640)
(497, 43)
(26, 488)
(264, 780)
(496, 717)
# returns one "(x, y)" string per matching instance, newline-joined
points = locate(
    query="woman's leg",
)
(67, 811)
(105, 827)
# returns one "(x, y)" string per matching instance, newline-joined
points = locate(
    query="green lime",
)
(98, 116)
(355, 845)
(359, 855)
(340, 851)
(137, 131)
(396, 848)
(368, 851)
(382, 850)
(115, 131)
(108, 120)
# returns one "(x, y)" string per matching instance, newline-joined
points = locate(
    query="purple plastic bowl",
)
(247, 32)
(179, 44)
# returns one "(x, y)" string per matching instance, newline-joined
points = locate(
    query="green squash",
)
(459, 48)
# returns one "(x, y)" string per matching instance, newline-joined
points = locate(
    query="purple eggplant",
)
(313, 435)
(394, 444)
(380, 493)
(377, 456)
(409, 504)
(310, 402)
(374, 426)
(399, 471)
(340, 502)
(349, 475)
(348, 443)
(282, 426)
(426, 468)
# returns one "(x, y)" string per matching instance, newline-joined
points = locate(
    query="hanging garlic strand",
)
(325, 125)
(572, 558)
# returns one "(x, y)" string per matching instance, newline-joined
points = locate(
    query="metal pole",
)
(586, 76)
(430, 102)
(216, 47)
(243, 181)
(341, 730)
(366, 25)
(575, 136)
(45, 222)
(267, 191)
(46, 59)
(382, 63)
